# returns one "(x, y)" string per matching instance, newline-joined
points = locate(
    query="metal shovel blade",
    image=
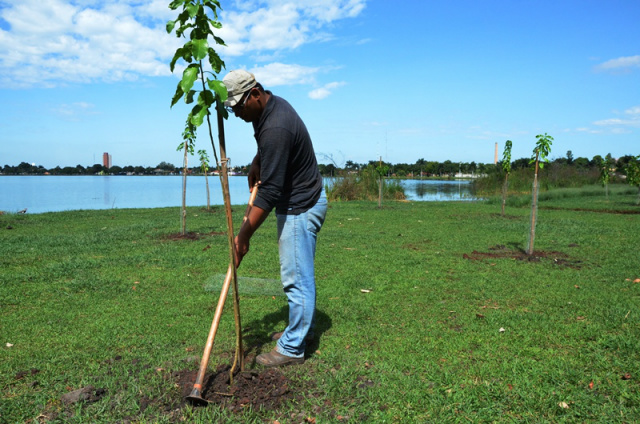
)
(196, 399)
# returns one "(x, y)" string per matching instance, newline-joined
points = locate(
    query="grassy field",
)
(454, 324)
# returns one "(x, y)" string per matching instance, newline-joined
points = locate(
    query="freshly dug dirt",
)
(501, 251)
(192, 236)
(611, 211)
(88, 394)
(266, 390)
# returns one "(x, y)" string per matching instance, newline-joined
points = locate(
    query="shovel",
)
(195, 397)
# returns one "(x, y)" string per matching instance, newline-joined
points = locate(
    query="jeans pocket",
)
(316, 216)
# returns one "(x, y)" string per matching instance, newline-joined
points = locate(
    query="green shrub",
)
(364, 186)
(553, 176)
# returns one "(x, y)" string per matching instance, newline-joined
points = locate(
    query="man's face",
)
(245, 110)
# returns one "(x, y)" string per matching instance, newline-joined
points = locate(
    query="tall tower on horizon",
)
(106, 160)
(495, 156)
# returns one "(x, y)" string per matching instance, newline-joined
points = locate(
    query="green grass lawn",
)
(110, 299)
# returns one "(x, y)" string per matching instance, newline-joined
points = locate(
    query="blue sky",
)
(439, 80)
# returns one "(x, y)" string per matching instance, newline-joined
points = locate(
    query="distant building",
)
(106, 160)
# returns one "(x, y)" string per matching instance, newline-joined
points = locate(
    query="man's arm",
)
(254, 172)
(255, 218)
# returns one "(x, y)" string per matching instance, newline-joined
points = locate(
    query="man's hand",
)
(242, 248)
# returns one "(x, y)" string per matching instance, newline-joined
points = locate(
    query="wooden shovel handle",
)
(197, 386)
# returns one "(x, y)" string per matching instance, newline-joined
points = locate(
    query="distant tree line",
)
(558, 173)
(163, 168)
(449, 168)
(421, 168)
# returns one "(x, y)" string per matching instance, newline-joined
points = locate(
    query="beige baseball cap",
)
(238, 82)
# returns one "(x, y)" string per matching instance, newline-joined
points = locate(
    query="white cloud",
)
(633, 111)
(59, 42)
(323, 92)
(618, 122)
(631, 119)
(73, 112)
(587, 130)
(67, 41)
(620, 64)
(275, 74)
(274, 25)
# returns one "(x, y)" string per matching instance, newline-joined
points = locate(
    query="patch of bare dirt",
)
(502, 252)
(266, 389)
(418, 246)
(505, 216)
(193, 236)
(612, 211)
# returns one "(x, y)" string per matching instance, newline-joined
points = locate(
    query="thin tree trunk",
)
(505, 187)
(380, 186)
(184, 189)
(534, 209)
(206, 182)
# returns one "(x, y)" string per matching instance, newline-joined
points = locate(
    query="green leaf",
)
(199, 48)
(219, 88)
(176, 97)
(189, 76)
(219, 40)
(177, 56)
(189, 98)
(213, 7)
(175, 4)
(197, 115)
(220, 107)
(214, 60)
(186, 52)
(206, 98)
(170, 26)
(182, 29)
(183, 17)
(192, 9)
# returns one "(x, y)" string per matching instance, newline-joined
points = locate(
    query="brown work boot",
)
(276, 336)
(277, 359)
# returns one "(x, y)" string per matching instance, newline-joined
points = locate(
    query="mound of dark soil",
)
(501, 252)
(266, 390)
(193, 236)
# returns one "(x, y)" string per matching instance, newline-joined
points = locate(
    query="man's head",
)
(247, 98)
(238, 82)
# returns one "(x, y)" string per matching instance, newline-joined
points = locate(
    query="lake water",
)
(59, 193)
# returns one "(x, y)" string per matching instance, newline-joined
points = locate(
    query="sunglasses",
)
(240, 105)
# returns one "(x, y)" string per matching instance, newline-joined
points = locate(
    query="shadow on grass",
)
(258, 333)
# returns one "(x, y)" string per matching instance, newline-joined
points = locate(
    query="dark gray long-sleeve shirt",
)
(290, 180)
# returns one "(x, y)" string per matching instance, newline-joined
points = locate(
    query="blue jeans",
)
(297, 247)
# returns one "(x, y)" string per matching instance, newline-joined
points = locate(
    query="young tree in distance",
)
(506, 167)
(382, 170)
(204, 166)
(605, 166)
(188, 141)
(569, 157)
(540, 154)
(633, 174)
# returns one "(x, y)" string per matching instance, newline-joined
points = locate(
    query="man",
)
(287, 172)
